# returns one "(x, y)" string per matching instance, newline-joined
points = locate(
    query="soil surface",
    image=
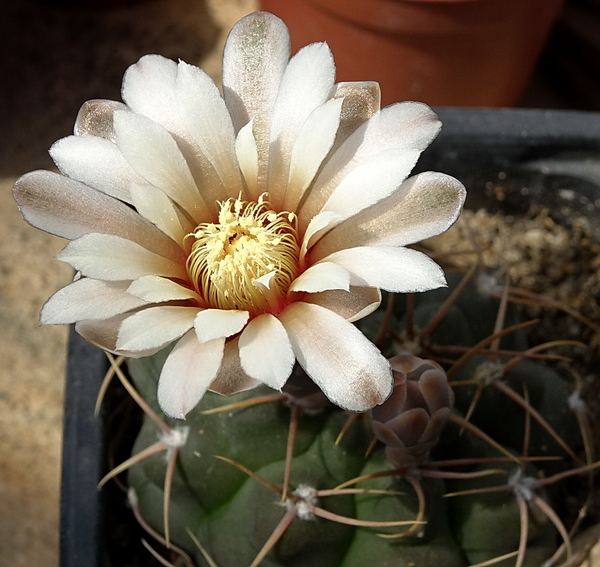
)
(556, 262)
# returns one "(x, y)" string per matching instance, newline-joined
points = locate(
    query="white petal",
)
(95, 118)
(371, 181)
(254, 59)
(97, 162)
(405, 126)
(364, 186)
(157, 290)
(395, 269)
(154, 154)
(203, 110)
(321, 277)
(265, 351)
(424, 205)
(349, 369)
(155, 327)
(155, 206)
(312, 145)
(216, 323)
(306, 84)
(318, 224)
(88, 299)
(187, 373)
(70, 209)
(247, 155)
(149, 89)
(264, 282)
(108, 257)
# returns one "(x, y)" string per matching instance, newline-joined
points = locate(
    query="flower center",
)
(248, 259)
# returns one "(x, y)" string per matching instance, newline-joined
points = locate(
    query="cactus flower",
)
(250, 228)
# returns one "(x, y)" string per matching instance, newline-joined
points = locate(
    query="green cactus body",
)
(487, 525)
(233, 514)
(547, 392)
(432, 543)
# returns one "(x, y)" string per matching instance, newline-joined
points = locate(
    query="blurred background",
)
(54, 55)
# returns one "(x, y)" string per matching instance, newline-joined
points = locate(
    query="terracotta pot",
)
(442, 52)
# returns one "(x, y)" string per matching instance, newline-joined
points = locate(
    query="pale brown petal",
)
(103, 334)
(231, 378)
(351, 305)
(254, 60)
(424, 205)
(361, 101)
(349, 369)
(70, 209)
(95, 118)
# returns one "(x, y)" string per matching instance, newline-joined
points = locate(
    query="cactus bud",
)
(410, 421)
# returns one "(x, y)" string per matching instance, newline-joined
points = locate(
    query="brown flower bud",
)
(410, 421)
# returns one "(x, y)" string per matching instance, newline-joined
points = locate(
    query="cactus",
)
(287, 479)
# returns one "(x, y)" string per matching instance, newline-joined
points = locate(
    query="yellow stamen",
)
(250, 241)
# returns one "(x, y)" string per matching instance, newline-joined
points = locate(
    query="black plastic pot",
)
(82, 506)
(548, 157)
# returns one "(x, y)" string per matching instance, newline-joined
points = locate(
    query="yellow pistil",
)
(250, 241)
